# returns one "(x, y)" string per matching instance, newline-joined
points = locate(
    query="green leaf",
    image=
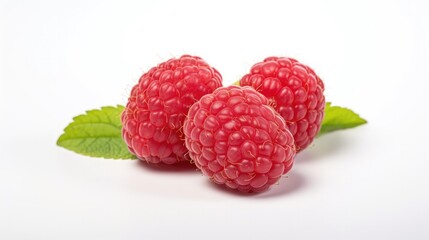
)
(96, 134)
(337, 118)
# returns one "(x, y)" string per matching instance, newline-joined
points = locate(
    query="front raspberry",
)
(237, 139)
(158, 105)
(295, 91)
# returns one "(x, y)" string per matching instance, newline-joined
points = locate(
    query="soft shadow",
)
(225, 190)
(286, 186)
(322, 147)
(181, 167)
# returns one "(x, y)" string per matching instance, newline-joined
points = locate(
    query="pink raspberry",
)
(295, 91)
(158, 105)
(237, 139)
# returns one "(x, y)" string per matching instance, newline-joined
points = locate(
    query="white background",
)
(60, 58)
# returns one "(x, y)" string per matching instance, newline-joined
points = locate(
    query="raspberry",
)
(158, 105)
(237, 139)
(295, 91)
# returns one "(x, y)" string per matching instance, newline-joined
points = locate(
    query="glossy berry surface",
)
(237, 139)
(295, 91)
(158, 105)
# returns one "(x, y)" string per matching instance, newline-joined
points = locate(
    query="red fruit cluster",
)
(242, 137)
(237, 139)
(158, 105)
(295, 91)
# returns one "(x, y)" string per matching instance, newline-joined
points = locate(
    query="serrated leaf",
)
(337, 118)
(96, 134)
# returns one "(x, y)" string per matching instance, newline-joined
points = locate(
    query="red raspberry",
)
(295, 91)
(158, 105)
(237, 139)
